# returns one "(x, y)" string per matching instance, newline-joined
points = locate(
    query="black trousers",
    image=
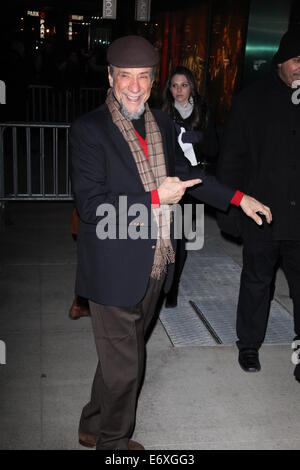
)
(181, 255)
(181, 252)
(120, 341)
(259, 261)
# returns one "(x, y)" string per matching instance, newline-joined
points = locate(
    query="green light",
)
(263, 48)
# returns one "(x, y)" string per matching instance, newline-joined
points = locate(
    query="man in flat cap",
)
(260, 154)
(123, 151)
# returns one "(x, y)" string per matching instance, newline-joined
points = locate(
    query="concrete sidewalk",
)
(193, 397)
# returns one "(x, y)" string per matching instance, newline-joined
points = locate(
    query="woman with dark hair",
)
(196, 136)
(191, 112)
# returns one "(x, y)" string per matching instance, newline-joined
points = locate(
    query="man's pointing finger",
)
(190, 183)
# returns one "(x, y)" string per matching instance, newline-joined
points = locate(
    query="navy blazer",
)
(116, 271)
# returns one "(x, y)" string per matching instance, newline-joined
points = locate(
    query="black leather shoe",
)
(171, 300)
(171, 303)
(249, 360)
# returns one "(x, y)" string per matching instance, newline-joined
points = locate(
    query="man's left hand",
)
(251, 207)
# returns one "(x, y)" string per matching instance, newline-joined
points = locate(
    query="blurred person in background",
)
(196, 134)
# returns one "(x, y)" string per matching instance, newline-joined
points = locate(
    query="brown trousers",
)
(120, 341)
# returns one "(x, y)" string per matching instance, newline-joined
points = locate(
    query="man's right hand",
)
(172, 189)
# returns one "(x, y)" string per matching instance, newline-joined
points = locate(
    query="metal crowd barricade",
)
(90, 98)
(34, 156)
(34, 163)
(40, 104)
(49, 104)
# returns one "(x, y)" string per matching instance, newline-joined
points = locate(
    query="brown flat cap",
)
(132, 52)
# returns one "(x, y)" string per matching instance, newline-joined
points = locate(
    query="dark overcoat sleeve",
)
(233, 148)
(210, 191)
(231, 164)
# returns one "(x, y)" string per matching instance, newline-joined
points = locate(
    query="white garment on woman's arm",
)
(187, 149)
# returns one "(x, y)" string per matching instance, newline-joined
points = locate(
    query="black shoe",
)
(172, 295)
(249, 360)
(171, 300)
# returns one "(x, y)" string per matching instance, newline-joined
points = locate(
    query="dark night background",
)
(208, 36)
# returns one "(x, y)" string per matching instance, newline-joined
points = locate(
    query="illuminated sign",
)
(70, 31)
(42, 28)
(110, 9)
(33, 13)
(77, 17)
(142, 10)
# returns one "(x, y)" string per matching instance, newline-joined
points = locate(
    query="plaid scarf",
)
(152, 173)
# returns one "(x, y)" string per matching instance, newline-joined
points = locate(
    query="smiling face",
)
(132, 87)
(289, 71)
(180, 89)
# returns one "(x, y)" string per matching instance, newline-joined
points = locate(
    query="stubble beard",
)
(132, 116)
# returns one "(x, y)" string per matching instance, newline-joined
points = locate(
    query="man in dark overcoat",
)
(125, 158)
(260, 153)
